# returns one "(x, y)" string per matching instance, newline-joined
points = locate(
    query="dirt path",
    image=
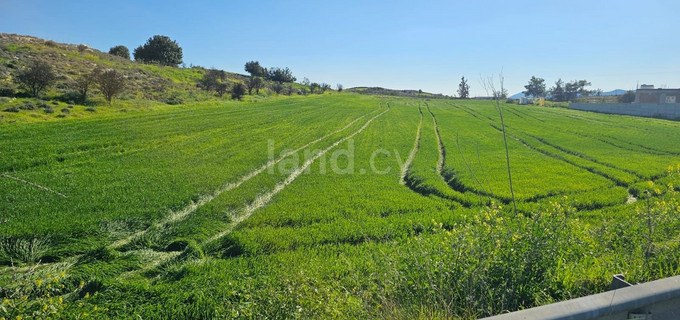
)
(412, 155)
(262, 200)
(188, 210)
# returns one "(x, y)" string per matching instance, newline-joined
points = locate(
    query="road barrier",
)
(657, 300)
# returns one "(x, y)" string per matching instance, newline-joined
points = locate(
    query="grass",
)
(155, 224)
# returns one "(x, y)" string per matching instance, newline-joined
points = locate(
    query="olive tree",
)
(110, 83)
(37, 78)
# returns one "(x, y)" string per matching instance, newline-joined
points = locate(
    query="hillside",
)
(146, 85)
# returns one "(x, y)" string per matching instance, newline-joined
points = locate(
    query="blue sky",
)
(426, 45)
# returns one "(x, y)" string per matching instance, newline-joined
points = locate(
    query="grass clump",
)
(26, 250)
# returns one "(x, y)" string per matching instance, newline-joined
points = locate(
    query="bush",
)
(82, 48)
(66, 110)
(627, 97)
(7, 92)
(27, 106)
(49, 110)
(12, 109)
(90, 109)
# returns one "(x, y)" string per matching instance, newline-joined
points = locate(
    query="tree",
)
(277, 87)
(238, 91)
(121, 51)
(575, 88)
(313, 87)
(501, 94)
(221, 88)
(83, 84)
(339, 86)
(255, 69)
(305, 82)
(280, 75)
(161, 50)
(582, 84)
(211, 80)
(463, 89)
(627, 97)
(325, 87)
(535, 88)
(110, 83)
(254, 83)
(37, 78)
(557, 92)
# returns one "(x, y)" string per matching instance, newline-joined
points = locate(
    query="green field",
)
(310, 207)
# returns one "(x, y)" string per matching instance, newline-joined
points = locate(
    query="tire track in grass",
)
(191, 208)
(592, 170)
(440, 144)
(442, 161)
(185, 212)
(263, 200)
(258, 203)
(414, 151)
(4, 175)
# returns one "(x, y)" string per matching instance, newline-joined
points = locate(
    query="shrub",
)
(49, 110)
(66, 110)
(627, 97)
(27, 106)
(50, 43)
(90, 109)
(12, 109)
(82, 48)
(7, 92)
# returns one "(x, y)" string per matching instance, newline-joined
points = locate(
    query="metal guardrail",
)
(657, 300)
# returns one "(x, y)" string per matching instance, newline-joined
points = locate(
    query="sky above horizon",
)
(426, 45)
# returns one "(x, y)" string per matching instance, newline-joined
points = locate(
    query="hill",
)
(146, 85)
(397, 93)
